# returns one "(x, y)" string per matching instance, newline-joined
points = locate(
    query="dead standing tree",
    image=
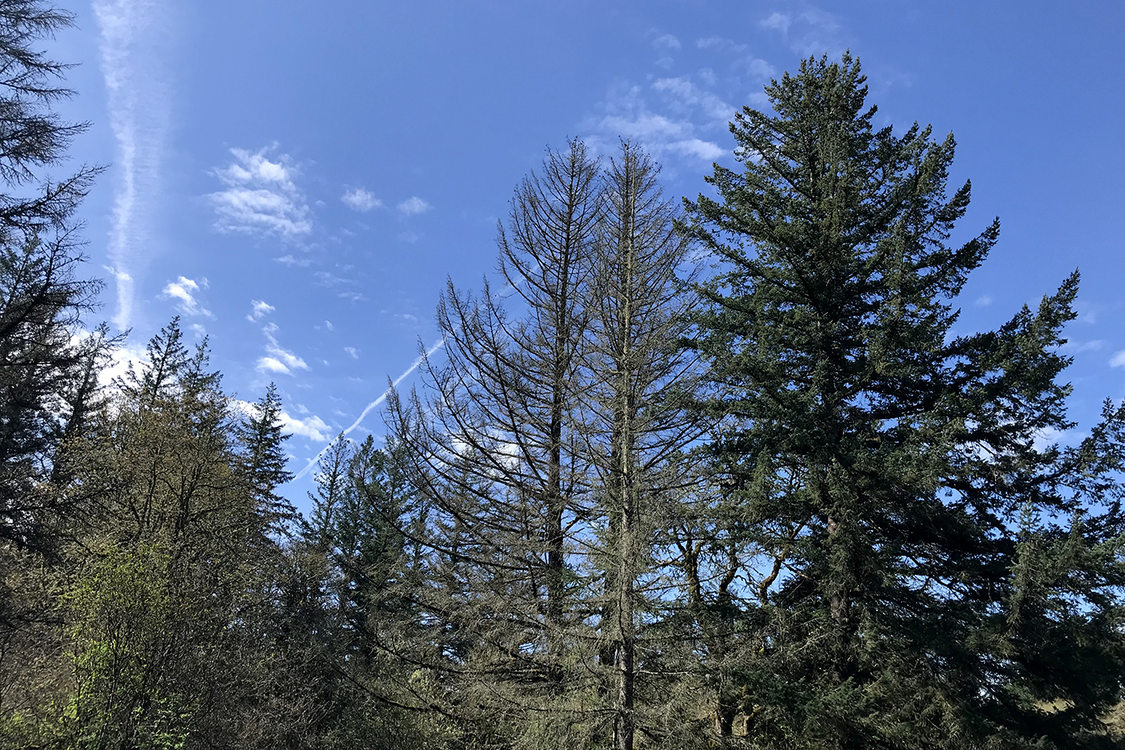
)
(500, 462)
(635, 428)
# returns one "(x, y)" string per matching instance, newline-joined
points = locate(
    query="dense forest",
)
(707, 473)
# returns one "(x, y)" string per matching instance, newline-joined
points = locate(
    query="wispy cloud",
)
(630, 112)
(292, 260)
(132, 35)
(278, 359)
(1079, 347)
(777, 21)
(352, 352)
(259, 309)
(260, 196)
(185, 291)
(360, 199)
(413, 206)
(739, 58)
(666, 43)
(1118, 360)
(1050, 436)
(684, 116)
(809, 32)
(687, 97)
(375, 404)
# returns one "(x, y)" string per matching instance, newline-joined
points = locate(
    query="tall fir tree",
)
(263, 461)
(930, 573)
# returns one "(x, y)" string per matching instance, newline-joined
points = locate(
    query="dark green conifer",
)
(263, 460)
(940, 577)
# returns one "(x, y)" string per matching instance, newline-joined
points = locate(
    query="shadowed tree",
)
(43, 366)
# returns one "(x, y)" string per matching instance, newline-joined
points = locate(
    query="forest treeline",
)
(712, 473)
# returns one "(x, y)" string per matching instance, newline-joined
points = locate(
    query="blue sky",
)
(298, 179)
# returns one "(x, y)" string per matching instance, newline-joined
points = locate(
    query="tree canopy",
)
(783, 501)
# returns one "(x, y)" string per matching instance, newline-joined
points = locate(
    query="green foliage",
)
(879, 463)
(45, 371)
(124, 613)
(874, 545)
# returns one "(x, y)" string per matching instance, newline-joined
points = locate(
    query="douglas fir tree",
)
(939, 577)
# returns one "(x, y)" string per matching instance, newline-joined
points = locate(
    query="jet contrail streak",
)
(374, 404)
(132, 39)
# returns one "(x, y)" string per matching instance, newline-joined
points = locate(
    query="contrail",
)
(374, 404)
(133, 68)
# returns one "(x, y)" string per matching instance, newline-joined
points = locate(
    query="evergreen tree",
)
(931, 574)
(32, 137)
(170, 597)
(263, 461)
(42, 363)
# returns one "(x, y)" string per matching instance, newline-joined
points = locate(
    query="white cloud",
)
(721, 44)
(1049, 436)
(259, 309)
(352, 352)
(810, 32)
(741, 60)
(270, 364)
(666, 42)
(413, 206)
(777, 22)
(645, 126)
(1118, 359)
(983, 301)
(184, 291)
(329, 326)
(689, 97)
(290, 260)
(256, 168)
(279, 359)
(261, 196)
(1077, 347)
(124, 360)
(694, 147)
(630, 114)
(311, 427)
(684, 117)
(360, 199)
(132, 43)
(329, 279)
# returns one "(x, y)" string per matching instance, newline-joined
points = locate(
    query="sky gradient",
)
(297, 180)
